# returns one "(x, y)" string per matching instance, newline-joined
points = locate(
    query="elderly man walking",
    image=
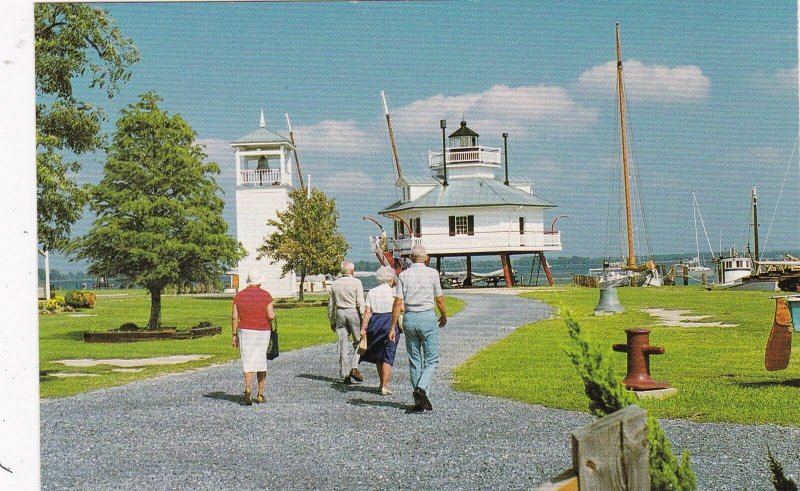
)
(418, 290)
(345, 307)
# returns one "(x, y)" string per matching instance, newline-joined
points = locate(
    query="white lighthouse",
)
(263, 181)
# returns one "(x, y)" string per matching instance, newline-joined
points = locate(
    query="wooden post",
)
(439, 263)
(685, 275)
(508, 275)
(468, 279)
(611, 453)
(546, 267)
(704, 279)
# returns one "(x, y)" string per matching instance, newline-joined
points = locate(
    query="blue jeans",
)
(421, 330)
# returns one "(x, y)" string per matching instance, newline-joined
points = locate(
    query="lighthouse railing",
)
(262, 177)
(483, 241)
(485, 155)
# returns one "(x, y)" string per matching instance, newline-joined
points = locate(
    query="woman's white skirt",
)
(253, 348)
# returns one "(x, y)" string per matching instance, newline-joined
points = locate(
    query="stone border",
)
(135, 336)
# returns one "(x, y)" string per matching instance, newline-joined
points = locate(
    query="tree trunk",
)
(155, 309)
(302, 282)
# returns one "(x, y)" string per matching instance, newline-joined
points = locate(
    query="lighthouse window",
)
(416, 227)
(522, 225)
(462, 225)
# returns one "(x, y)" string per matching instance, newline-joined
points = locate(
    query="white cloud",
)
(526, 110)
(654, 83)
(783, 79)
(332, 137)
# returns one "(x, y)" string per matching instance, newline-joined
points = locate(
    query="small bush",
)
(55, 304)
(80, 299)
(606, 395)
(202, 324)
(129, 326)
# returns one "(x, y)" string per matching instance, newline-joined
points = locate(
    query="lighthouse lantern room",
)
(263, 181)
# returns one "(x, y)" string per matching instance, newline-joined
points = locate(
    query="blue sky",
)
(712, 91)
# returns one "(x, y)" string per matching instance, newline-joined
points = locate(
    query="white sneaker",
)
(385, 391)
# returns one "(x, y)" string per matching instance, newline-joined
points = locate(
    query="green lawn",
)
(719, 372)
(61, 337)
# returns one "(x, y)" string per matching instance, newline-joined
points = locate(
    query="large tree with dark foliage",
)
(159, 216)
(73, 42)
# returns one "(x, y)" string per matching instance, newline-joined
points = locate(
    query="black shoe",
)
(355, 374)
(348, 380)
(425, 403)
(248, 401)
(417, 398)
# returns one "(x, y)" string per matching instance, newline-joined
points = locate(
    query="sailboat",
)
(694, 267)
(627, 272)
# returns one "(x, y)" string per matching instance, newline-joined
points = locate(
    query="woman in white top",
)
(375, 325)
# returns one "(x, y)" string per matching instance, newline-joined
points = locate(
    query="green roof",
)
(416, 180)
(261, 135)
(470, 192)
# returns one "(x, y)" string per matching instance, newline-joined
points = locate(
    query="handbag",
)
(362, 345)
(272, 348)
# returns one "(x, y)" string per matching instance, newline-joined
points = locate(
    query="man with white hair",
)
(345, 307)
(418, 290)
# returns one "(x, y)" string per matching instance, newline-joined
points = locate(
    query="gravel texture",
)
(190, 431)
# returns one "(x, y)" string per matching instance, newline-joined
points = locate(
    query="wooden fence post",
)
(611, 453)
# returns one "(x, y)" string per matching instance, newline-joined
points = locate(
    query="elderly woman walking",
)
(377, 323)
(251, 323)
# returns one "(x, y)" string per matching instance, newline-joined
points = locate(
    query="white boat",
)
(695, 269)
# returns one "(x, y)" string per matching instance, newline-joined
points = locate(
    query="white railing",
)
(485, 155)
(481, 242)
(263, 177)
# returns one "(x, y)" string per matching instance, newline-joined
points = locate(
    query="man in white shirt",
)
(345, 307)
(418, 290)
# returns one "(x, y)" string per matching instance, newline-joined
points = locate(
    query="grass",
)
(61, 337)
(719, 371)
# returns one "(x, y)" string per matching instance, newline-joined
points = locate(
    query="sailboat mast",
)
(294, 150)
(755, 226)
(624, 144)
(391, 135)
(696, 236)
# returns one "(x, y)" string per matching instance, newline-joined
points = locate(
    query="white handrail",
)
(259, 177)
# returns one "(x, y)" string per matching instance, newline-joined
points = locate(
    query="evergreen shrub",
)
(606, 395)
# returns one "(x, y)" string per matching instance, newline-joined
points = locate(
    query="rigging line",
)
(780, 194)
(639, 190)
(700, 214)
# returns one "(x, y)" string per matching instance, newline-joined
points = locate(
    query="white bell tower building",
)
(263, 181)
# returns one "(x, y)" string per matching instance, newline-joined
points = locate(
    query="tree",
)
(306, 239)
(159, 218)
(72, 41)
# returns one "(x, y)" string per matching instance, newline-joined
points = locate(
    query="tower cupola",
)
(463, 137)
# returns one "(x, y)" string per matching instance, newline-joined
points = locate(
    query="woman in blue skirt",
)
(376, 323)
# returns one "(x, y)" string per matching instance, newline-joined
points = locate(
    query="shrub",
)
(55, 304)
(81, 299)
(129, 326)
(606, 395)
(202, 324)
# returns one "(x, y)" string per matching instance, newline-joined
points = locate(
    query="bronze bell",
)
(609, 302)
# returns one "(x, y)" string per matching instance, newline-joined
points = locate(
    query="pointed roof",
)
(471, 193)
(260, 136)
(463, 131)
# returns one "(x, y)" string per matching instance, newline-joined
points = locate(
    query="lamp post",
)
(505, 152)
(443, 125)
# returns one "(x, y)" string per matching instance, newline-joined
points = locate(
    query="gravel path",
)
(189, 431)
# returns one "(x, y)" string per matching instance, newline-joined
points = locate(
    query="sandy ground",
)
(679, 318)
(134, 362)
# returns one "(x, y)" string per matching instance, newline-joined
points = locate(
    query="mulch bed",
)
(146, 335)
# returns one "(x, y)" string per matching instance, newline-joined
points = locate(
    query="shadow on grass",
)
(223, 396)
(338, 384)
(794, 382)
(66, 336)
